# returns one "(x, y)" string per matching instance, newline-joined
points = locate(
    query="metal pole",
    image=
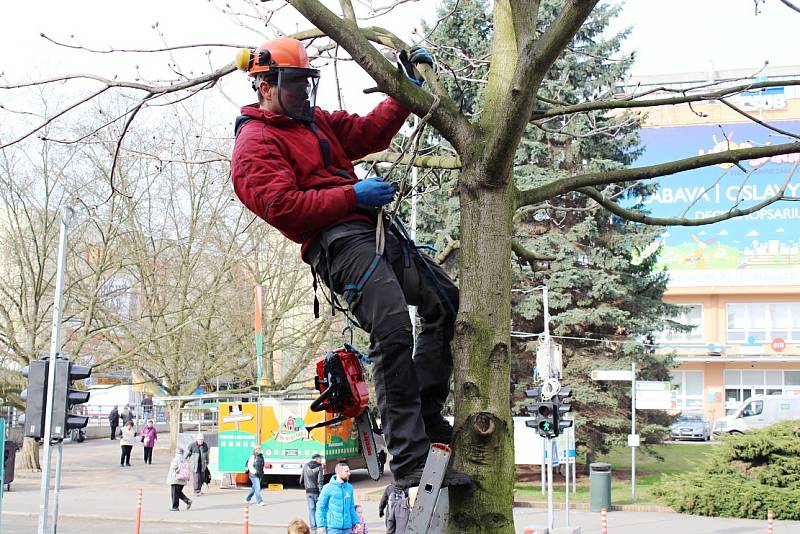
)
(633, 428)
(566, 486)
(3, 465)
(546, 306)
(57, 488)
(544, 469)
(55, 347)
(549, 485)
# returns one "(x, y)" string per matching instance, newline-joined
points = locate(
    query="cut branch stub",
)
(484, 425)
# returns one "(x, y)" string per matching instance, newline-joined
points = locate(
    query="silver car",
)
(690, 426)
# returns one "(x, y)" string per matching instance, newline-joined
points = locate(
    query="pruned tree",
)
(524, 46)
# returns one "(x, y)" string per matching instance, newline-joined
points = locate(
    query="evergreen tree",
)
(601, 286)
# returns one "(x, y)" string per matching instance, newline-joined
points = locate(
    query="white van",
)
(758, 412)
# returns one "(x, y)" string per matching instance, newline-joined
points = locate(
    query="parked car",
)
(758, 412)
(690, 426)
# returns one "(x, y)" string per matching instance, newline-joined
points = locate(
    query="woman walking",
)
(255, 470)
(128, 438)
(149, 437)
(177, 477)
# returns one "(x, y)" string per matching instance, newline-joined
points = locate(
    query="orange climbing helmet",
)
(284, 52)
(284, 63)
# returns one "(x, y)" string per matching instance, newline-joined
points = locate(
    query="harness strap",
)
(402, 233)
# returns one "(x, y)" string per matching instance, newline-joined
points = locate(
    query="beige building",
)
(738, 281)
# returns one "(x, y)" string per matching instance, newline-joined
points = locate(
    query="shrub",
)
(745, 476)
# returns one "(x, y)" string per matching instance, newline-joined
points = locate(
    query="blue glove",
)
(415, 56)
(374, 192)
(419, 54)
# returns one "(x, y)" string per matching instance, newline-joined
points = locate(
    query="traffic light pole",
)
(57, 490)
(55, 348)
(633, 428)
(550, 514)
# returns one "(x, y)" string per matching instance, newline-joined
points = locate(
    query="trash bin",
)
(9, 460)
(599, 486)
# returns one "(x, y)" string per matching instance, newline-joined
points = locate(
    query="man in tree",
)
(292, 166)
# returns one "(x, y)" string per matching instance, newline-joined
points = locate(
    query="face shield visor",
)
(297, 92)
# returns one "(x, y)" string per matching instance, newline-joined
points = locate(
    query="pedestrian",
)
(128, 438)
(113, 420)
(394, 504)
(127, 414)
(298, 526)
(336, 508)
(149, 437)
(292, 166)
(198, 462)
(312, 479)
(255, 470)
(360, 527)
(177, 477)
(147, 407)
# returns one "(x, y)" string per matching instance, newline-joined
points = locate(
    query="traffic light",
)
(563, 407)
(543, 413)
(35, 397)
(64, 398)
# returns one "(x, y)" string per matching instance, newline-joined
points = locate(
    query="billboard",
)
(761, 248)
(279, 426)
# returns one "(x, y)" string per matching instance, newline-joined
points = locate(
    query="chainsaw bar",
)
(367, 440)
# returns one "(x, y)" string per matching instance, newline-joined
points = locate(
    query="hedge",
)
(745, 476)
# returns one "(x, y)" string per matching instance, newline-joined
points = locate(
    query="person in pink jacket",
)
(149, 437)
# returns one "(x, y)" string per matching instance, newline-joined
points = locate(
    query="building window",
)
(687, 389)
(689, 315)
(741, 384)
(761, 322)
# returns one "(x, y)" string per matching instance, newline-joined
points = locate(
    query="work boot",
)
(439, 431)
(412, 477)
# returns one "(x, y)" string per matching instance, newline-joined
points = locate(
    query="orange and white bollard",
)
(138, 511)
(770, 522)
(246, 520)
(603, 521)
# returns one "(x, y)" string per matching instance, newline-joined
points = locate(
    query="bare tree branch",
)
(528, 255)
(428, 162)
(447, 119)
(641, 217)
(631, 102)
(573, 183)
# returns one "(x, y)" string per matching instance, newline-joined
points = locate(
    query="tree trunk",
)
(29, 457)
(484, 441)
(174, 413)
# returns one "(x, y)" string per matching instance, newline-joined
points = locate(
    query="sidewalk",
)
(97, 495)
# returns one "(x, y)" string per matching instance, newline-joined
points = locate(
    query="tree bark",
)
(174, 412)
(29, 457)
(484, 439)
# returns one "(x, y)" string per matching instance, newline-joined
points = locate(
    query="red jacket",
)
(279, 171)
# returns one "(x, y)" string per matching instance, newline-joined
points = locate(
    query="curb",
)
(131, 520)
(584, 506)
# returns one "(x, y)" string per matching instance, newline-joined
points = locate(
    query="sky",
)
(668, 37)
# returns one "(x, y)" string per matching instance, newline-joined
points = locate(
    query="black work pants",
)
(125, 457)
(113, 431)
(411, 389)
(178, 495)
(148, 455)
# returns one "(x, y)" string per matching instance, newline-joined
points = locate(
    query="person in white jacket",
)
(128, 438)
(255, 470)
